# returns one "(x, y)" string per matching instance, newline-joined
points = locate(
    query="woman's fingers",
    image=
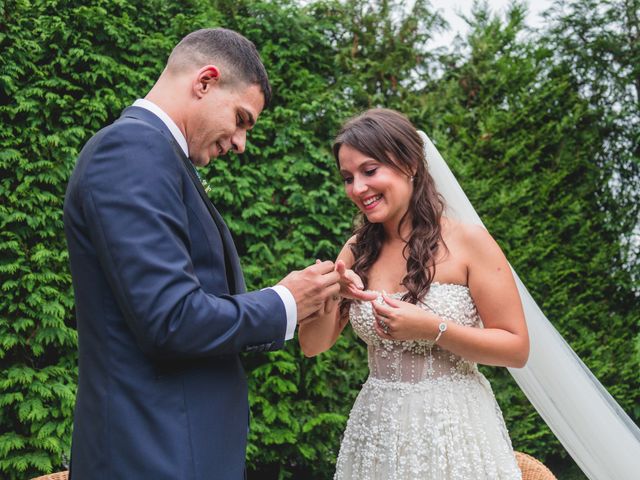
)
(357, 294)
(347, 275)
(382, 328)
(382, 309)
(391, 301)
(354, 278)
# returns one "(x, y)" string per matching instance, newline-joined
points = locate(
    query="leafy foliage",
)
(600, 42)
(66, 69)
(520, 118)
(522, 139)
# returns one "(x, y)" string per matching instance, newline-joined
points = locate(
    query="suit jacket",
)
(161, 311)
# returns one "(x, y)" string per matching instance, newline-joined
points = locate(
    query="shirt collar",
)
(166, 119)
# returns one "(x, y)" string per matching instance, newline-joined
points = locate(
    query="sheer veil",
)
(597, 433)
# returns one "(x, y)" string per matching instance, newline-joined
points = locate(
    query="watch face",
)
(443, 327)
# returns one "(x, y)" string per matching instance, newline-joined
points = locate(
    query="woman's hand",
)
(398, 320)
(351, 285)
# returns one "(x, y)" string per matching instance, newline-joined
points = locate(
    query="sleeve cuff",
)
(290, 308)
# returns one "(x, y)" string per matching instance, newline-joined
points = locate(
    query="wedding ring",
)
(335, 298)
(383, 325)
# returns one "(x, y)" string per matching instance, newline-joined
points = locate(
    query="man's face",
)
(220, 121)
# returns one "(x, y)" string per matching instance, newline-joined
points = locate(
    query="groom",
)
(160, 299)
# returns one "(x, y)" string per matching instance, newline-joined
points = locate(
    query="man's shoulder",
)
(134, 129)
(132, 133)
(126, 147)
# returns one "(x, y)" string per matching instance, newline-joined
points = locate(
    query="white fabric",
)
(290, 307)
(424, 413)
(597, 433)
(167, 120)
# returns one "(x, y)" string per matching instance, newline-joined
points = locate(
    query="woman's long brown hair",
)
(390, 138)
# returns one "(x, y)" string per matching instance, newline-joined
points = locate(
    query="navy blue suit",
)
(162, 314)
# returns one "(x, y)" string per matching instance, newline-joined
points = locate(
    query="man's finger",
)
(305, 320)
(330, 278)
(322, 267)
(330, 303)
(333, 290)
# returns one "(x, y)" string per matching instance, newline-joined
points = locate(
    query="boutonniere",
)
(205, 184)
(203, 181)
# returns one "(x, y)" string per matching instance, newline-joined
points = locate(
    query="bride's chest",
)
(451, 302)
(387, 272)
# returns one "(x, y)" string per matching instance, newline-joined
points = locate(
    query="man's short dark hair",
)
(226, 47)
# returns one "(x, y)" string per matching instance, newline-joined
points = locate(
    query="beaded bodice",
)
(417, 360)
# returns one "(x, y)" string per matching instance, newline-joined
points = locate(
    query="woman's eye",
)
(348, 180)
(370, 172)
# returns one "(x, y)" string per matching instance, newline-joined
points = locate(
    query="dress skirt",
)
(446, 428)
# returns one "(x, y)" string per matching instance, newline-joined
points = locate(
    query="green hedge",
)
(523, 141)
(509, 115)
(66, 69)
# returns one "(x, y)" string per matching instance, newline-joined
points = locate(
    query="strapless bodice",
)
(417, 360)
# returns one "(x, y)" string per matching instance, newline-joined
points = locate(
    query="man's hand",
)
(312, 287)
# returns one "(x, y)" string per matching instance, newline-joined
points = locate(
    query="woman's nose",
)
(359, 185)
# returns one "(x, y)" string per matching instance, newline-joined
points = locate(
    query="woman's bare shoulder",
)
(464, 233)
(468, 241)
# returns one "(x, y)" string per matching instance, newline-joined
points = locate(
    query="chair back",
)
(54, 476)
(533, 469)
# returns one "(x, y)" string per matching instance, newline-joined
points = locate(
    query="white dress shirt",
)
(282, 291)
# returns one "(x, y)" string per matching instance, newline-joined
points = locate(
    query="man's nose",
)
(239, 141)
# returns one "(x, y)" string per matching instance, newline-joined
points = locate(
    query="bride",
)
(432, 298)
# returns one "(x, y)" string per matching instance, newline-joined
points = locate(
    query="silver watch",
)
(441, 329)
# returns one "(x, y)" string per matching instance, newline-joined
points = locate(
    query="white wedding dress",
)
(424, 413)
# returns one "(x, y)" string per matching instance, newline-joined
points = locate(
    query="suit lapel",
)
(231, 258)
(233, 270)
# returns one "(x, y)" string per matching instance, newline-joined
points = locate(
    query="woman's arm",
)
(503, 341)
(321, 331)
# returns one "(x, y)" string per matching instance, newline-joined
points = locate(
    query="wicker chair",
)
(54, 476)
(533, 469)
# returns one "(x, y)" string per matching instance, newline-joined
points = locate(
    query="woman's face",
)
(381, 192)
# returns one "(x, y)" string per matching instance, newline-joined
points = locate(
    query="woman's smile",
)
(370, 202)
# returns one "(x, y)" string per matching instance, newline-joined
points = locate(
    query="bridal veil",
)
(597, 433)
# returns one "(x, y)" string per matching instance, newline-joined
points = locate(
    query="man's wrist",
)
(290, 308)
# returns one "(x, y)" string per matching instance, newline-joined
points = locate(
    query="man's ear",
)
(207, 77)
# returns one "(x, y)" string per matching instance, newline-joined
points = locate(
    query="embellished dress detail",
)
(424, 413)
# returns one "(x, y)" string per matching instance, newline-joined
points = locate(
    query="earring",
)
(411, 178)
